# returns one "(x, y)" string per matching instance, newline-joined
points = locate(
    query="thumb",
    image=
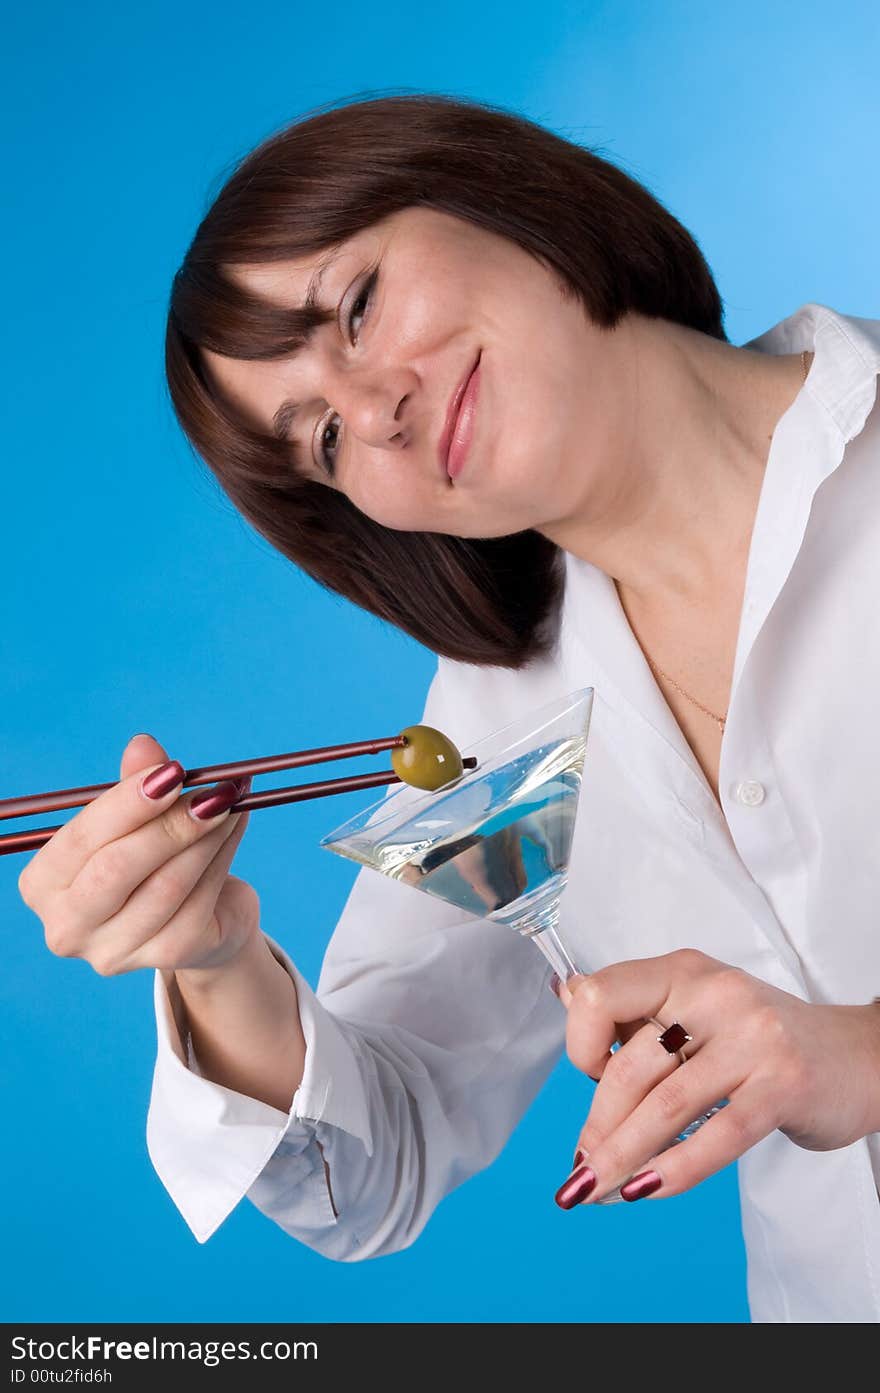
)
(140, 752)
(565, 990)
(238, 906)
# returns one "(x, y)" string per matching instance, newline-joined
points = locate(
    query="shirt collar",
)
(596, 644)
(843, 375)
(807, 447)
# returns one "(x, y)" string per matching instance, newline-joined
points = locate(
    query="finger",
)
(53, 867)
(158, 901)
(142, 752)
(628, 1077)
(625, 991)
(627, 1029)
(111, 816)
(114, 871)
(670, 1107)
(198, 935)
(745, 1121)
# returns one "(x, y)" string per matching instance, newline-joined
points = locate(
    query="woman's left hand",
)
(810, 1071)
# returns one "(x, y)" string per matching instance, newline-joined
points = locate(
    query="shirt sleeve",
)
(428, 1036)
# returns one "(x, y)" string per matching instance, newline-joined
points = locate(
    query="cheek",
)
(394, 502)
(535, 424)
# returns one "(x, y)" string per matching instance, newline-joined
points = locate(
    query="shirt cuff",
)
(208, 1143)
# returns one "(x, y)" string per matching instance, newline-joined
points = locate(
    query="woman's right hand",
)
(133, 881)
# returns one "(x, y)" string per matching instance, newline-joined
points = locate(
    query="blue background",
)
(135, 598)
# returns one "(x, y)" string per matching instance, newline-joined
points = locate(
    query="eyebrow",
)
(288, 409)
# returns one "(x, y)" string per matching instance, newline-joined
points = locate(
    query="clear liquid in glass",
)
(498, 841)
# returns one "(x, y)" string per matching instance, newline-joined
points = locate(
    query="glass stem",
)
(540, 926)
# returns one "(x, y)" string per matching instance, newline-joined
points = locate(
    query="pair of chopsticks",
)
(33, 804)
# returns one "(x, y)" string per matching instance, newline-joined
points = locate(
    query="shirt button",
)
(750, 793)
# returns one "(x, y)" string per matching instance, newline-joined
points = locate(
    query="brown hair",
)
(326, 178)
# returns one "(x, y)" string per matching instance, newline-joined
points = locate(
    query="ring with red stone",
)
(673, 1037)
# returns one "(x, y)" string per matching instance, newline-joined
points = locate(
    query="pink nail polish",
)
(641, 1185)
(163, 779)
(213, 801)
(576, 1188)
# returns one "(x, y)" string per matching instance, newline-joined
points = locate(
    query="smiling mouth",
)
(452, 415)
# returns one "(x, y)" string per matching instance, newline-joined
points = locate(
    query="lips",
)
(452, 415)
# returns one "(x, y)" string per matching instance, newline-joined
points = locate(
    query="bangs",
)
(213, 312)
(210, 311)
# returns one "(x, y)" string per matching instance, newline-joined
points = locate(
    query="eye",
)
(327, 437)
(330, 426)
(359, 308)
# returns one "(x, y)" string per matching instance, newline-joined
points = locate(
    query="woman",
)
(475, 379)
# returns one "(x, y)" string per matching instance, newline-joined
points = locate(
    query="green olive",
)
(427, 760)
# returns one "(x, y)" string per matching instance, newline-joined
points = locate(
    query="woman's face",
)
(425, 303)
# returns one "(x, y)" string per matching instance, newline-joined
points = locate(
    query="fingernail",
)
(214, 801)
(576, 1188)
(163, 780)
(146, 733)
(641, 1185)
(554, 984)
(578, 1157)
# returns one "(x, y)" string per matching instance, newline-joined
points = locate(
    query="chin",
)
(483, 531)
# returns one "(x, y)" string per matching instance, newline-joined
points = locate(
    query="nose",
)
(374, 406)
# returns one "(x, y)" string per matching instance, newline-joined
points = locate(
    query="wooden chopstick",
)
(33, 804)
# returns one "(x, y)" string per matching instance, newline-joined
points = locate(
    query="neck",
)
(673, 514)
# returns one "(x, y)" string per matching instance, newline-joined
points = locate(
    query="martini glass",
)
(496, 841)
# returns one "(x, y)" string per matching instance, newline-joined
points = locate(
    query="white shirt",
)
(431, 1032)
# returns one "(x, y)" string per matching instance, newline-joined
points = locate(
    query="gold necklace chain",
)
(720, 721)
